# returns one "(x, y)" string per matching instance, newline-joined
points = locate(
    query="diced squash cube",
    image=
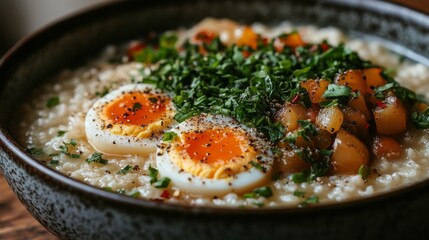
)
(315, 89)
(349, 154)
(353, 79)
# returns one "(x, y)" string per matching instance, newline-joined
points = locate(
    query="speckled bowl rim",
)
(12, 147)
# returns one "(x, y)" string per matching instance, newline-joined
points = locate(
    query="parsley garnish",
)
(61, 133)
(335, 91)
(363, 172)
(265, 192)
(153, 174)
(65, 149)
(257, 166)
(298, 193)
(299, 177)
(96, 158)
(162, 182)
(223, 81)
(309, 201)
(169, 136)
(53, 162)
(35, 151)
(420, 120)
(158, 183)
(125, 170)
(52, 102)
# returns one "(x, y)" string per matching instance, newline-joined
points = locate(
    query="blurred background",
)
(21, 17)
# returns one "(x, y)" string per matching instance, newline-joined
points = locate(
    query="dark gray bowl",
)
(72, 210)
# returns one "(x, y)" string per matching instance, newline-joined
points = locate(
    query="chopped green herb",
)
(61, 133)
(73, 142)
(52, 102)
(420, 120)
(35, 151)
(363, 172)
(257, 166)
(125, 170)
(153, 174)
(298, 193)
(249, 195)
(162, 182)
(299, 177)
(313, 199)
(169, 136)
(96, 158)
(53, 162)
(259, 192)
(326, 152)
(309, 201)
(263, 192)
(335, 91)
(64, 149)
(378, 91)
(223, 81)
(74, 155)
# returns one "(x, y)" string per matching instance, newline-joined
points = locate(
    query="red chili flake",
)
(134, 48)
(165, 194)
(367, 125)
(295, 99)
(265, 41)
(325, 47)
(381, 104)
(246, 54)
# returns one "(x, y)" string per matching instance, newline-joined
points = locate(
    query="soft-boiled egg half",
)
(213, 155)
(129, 120)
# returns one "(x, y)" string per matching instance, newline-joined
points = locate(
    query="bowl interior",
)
(70, 42)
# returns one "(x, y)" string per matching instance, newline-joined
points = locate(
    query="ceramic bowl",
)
(73, 210)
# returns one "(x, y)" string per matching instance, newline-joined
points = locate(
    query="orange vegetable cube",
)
(289, 115)
(247, 37)
(315, 89)
(373, 78)
(330, 119)
(352, 79)
(390, 117)
(292, 40)
(349, 154)
(359, 104)
(384, 146)
(291, 162)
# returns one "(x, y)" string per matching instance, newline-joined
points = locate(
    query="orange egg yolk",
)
(137, 108)
(212, 145)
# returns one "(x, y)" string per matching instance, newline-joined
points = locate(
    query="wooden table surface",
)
(17, 223)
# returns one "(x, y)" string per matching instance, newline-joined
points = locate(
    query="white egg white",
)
(106, 142)
(239, 183)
